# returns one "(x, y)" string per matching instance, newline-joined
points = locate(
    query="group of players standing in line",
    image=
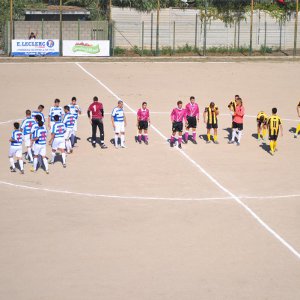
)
(63, 124)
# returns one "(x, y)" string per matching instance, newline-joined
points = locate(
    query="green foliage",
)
(265, 49)
(118, 51)
(166, 51)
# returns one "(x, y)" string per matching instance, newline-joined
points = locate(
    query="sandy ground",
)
(170, 232)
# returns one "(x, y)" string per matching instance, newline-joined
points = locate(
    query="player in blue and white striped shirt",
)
(75, 110)
(55, 110)
(40, 139)
(69, 121)
(26, 127)
(39, 112)
(57, 140)
(118, 120)
(15, 149)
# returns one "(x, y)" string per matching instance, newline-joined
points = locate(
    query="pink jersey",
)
(143, 115)
(239, 114)
(178, 115)
(192, 110)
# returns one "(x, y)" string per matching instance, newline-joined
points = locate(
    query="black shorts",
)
(212, 125)
(273, 137)
(192, 122)
(237, 126)
(177, 126)
(143, 125)
(259, 123)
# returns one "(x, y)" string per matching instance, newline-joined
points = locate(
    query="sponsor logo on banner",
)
(85, 48)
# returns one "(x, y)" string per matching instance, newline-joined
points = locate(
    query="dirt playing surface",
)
(153, 222)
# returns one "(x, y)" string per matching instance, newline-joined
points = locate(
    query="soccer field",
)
(153, 222)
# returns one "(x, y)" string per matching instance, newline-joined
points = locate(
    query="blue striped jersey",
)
(69, 120)
(55, 110)
(58, 129)
(33, 130)
(41, 134)
(74, 110)
(118, 114)
(35, 113)
(27, 125)
(17, 138)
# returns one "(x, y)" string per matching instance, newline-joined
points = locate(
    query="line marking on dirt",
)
(203, 171)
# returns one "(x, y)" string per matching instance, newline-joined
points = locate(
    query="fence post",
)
(251, 27)
(204, 34)
(296, 29)
(157, 27)
(174, 36)
(265, 42)
(280, 33)
(42, 28)
(239, 33)
(78, 29)
(151, 42)
(143, 25)
(196, 31)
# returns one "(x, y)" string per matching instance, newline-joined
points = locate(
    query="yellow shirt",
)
(211, 115)
(273, 124)
(262, 114)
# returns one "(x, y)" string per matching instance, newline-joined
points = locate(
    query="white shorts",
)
(75, 126)
(68, 133)
(119, 127)
(51, 125)
(27, 140)
(15, 151)
(39, 150)
(58, 143)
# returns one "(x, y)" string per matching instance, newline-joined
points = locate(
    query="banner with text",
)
(35, 48)
(85, 48)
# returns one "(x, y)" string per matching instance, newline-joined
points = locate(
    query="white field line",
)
(203, 171)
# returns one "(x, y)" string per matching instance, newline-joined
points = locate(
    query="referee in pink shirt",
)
(237, 124)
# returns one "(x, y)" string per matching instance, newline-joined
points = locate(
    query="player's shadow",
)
(255, 136)
(58, 158)
(203, 137)
(229, 131)
(112, 141)
(75, 141)
(292, 130)
(89, 139)
(265, 147)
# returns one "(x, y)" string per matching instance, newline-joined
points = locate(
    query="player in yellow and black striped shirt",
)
(210, 118)
(298, 126)
(274, 126)
(262, 120)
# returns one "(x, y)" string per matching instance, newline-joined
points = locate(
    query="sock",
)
(53, 156)
(186, 135)
(12, 162)
(271, 146)
(140, 137)
(240, 135)
(29, 152)
(21, 164)
(194, 135)
(35, 162)
(233, 135)
(215, 137)
(208, 136)
(298, 129)
(172, 139)
(264, 133)
(179, 140)
(68, 145)
(63, 155)
(122, 139)
(274, 145)
(116, 139)
(258, 134)
(146, 137)
(45, 163)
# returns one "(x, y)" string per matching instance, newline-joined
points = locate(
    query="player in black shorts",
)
(178, 115)
(210, 119)
(143, 121)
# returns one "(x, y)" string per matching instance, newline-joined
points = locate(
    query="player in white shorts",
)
(69, 121)
(57, 140)
(118, 120)
(39, 112)
(75, 110)
(26, 126)
(15, 149)
(55, 110)
(40, 141)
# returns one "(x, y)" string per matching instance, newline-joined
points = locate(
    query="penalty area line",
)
(203, 171)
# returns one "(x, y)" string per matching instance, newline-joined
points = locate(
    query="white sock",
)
(12, 162)
(35, 162)
(122, 139)
(21, 164)
(233, 135)
(46, 163)
(240, 135)
(63, 155)
(53, 156)
(116, 139)
(29, 152)
(68, 145)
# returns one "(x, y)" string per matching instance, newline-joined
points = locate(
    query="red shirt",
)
(96, 109)
(239, 114)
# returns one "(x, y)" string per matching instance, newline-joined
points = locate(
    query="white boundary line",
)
(203, 171)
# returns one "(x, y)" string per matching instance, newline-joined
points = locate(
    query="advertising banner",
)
(35, 48)
(85, 48)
